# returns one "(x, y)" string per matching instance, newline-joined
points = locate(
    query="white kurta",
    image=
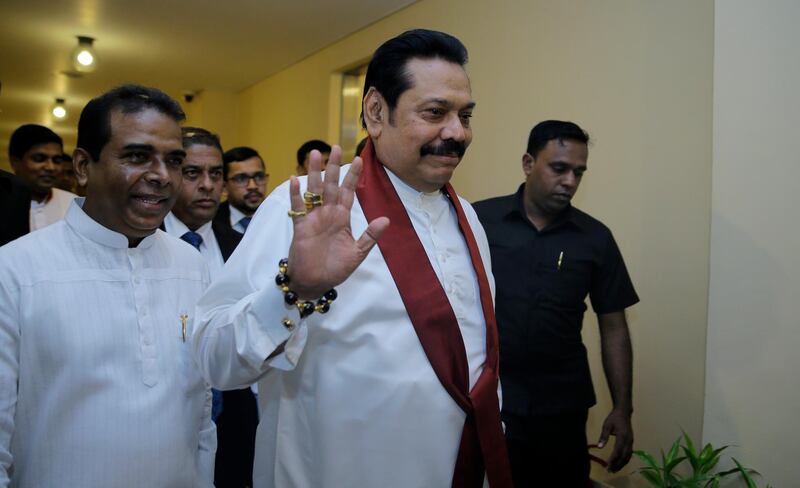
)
(50, 211)
(353, 400)
(97, 387)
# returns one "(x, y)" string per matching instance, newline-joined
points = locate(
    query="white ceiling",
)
(175, 45)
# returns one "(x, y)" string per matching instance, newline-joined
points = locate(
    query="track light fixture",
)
(59, 110)
(83, 56)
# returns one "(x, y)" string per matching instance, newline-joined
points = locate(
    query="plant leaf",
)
(745, 475)
(690, 455)
(653, 478)
(647, 458)
(673, 451)
(689, 445)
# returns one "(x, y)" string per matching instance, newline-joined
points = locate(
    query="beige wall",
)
(752, 387)
(217, 111)
(638, 77)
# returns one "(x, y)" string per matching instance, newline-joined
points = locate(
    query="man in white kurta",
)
(98, 387)
(50, 210)
(350, 398)
(352, 387)
(36, 153)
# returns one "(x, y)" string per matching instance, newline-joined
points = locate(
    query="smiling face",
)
(138, 176)
(552, 178)
(423, 139)
(202, 186)
(39, 168)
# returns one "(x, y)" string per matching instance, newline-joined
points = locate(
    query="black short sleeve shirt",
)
(542, 280)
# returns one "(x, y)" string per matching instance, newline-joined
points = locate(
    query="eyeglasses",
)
(243, 179)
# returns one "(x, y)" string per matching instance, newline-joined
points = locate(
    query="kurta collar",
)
(89, 228)
(412, 197)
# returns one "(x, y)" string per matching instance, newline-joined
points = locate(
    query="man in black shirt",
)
(547, 256)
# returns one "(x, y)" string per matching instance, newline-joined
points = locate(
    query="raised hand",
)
(324, 252)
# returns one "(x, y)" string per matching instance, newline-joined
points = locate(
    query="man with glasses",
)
(246, 182)
(36, 153)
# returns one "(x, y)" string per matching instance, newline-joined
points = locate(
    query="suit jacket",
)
(227, 238)
(15, 205)
(223, 217)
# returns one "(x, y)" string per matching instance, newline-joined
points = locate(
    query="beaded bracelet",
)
(305, 307)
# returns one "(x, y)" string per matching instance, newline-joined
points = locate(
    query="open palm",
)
(324, 252)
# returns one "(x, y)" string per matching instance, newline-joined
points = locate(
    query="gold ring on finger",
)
(295, 213)
(311, 200)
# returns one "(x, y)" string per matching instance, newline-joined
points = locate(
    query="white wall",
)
(752, 397)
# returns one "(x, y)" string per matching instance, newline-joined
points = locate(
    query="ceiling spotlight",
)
(83, 56)
(59, 110)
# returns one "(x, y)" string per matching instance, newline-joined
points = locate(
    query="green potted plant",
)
(671, 471)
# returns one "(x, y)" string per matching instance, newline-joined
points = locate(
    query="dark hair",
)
(193, 136)
(387, 71)
(238, 154)
(29, 135)
(546, 131)
(309, 146)
(94, 126)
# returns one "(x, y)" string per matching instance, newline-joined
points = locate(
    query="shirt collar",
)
(236, 215)
(37, 205)
(89, 228)
(567, 216)
(177, 228)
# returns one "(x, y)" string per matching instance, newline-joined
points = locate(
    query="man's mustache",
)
(445, 148)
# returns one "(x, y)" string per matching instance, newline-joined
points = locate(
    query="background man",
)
(235, 412)
(246, 182)
(395, 386)
(547, 256)
(305, 151)
(35, 153)
(67, 180)
(97, 382)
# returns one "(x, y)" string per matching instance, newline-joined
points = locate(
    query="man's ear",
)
(80, 162)
(527, 163)
(375, 112)
(15, 162)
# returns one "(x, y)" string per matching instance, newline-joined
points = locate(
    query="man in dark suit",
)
(246, 179)
(15, 202)
(192, 219)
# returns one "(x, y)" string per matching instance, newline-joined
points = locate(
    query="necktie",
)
(193, 238)
(244, 222)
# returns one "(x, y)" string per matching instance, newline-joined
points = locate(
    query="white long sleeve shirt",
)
(352, 401)
(97, 386)
(209, 248)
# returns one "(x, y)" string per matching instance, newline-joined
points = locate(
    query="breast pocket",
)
(565, 285)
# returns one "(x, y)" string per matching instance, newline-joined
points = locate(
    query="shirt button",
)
(136, 280)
